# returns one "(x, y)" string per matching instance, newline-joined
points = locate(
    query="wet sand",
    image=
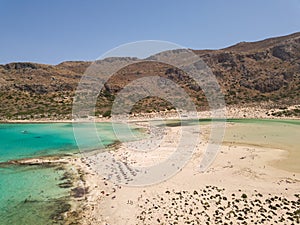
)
(276, 134)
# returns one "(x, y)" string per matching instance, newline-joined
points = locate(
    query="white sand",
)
(191, 197)
(236, 170)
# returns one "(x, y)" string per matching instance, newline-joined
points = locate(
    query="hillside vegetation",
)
(256, 73)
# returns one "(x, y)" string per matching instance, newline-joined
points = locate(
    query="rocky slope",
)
(265, 73)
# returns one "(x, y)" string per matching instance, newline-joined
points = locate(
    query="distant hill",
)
(250, 73)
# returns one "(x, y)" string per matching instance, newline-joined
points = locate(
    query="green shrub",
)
(244, 196)
(107, 113)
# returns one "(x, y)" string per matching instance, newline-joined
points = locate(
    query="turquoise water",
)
(30, 194)
(32, 140)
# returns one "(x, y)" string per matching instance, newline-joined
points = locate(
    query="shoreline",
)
(73, 180)
(139, 119)
(246, 163)
(231, 112)
(237, 170)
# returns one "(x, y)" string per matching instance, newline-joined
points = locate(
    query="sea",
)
(30, 194)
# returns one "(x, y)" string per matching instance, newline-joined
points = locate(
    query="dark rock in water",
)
(61, 208)
(29, 201)
(66, 184)
(79, 192)
(66, 176)
(59, 168)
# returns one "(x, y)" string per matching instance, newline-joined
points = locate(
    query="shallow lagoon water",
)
(267, 133)
(30, 194)
(19, 141)
(276, 134)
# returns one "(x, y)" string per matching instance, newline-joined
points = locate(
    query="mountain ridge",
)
(249, 73)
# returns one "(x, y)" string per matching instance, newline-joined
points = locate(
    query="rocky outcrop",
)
(18, 66)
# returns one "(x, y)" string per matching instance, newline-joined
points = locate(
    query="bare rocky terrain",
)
(264, 73)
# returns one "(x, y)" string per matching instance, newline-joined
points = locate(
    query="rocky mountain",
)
(250, 73)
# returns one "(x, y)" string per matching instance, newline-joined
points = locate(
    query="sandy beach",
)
(150, 112)
(244, 185)
(253, 179)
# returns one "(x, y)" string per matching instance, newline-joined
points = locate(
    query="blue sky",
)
(57, 30)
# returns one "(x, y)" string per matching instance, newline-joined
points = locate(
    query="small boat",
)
(24, 132)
